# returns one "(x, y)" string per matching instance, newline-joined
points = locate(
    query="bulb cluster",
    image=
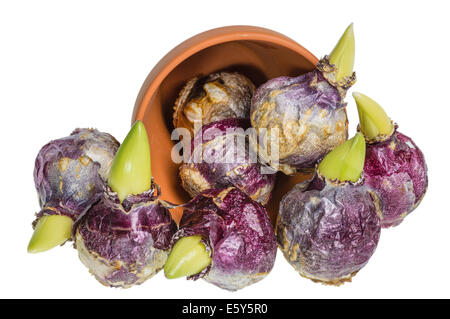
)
(104, 198)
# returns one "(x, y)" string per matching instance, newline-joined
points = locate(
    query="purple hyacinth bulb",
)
(124, 244)
(69, 172)
(395, 168)
(308, 114)
(236, 231)
(328, 230)
(226, 161)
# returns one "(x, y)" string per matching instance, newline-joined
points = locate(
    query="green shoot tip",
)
(346, 161)
(188, 257)
(131, 167)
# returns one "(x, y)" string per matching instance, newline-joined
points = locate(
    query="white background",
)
(81, 64)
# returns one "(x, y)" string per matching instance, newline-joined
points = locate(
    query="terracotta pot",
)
(258, 53)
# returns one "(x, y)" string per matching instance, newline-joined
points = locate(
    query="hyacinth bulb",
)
(226, 161)
(212, 98)
(328, 227)
(124, 238)
(125, 243)
(395, 167)
(69, 174)
(225, 238)
(307, 111)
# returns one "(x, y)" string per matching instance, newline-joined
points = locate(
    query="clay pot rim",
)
(200, 42)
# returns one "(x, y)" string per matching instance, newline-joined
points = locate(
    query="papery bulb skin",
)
(69, 174)
(124, 243)
(328, 231)
(328, 227)
(307, 112)
(396, 170)
(212, 98)
(237, 233)
(226, 161)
